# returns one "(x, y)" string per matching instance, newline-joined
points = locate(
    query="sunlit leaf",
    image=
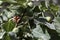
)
(8, 26)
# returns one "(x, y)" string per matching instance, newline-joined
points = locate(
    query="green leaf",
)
(8, 26)
(10, 1)
(7, 37)
(54, 8)
(57, 24)
(21, 1)
(38, 33)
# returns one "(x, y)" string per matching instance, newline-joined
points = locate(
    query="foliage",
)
(29, 20)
